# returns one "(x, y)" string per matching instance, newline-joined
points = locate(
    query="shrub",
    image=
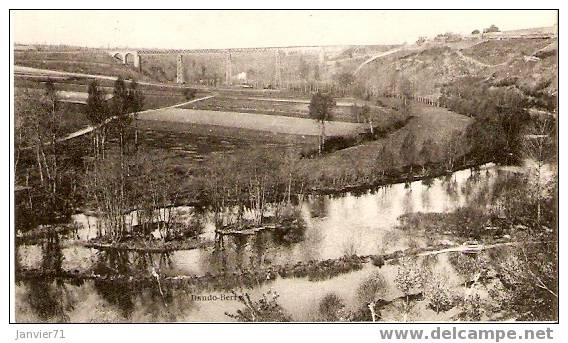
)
(265, 309)
(292, 227)
(189, 93)
(472, 307)
(331, 308)
(378, 261)
(472, 268)
(335, 143)
(438, 294)
(371, 293)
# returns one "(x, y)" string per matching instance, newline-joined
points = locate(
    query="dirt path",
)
(108, 120)
(371, 59)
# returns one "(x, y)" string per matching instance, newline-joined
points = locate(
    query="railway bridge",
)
(134, 57)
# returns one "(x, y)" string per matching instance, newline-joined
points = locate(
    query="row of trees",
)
(260, 179)
(321, 110)
(255, 181)
(50, 171)
(500, 117)
(46, 171)
(448, 152)
(121, 110)
(130, 184)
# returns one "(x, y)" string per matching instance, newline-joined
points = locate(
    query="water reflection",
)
(334, 226)
(45, 295)
(360, 224)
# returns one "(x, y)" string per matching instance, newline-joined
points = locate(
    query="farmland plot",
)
(260, 122)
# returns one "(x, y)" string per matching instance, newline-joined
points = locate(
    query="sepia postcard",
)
(225, 166)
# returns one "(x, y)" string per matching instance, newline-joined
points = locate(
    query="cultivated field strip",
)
(23, 71)
(259, 122)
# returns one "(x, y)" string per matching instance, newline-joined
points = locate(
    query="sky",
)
(239, 29)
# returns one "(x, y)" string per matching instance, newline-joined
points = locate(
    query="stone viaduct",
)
(135, 58)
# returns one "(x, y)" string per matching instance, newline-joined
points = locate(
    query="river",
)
(336, 225)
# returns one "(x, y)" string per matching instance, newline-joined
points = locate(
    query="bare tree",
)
(408, 149)
(136, 104)
(538, 147)
(261, 173)
(220, 183)
(97, 112)
(155, 196)
(368, 115)
(320, 111)
(104, 186)
(451, 150)
(405, 93)
(371, 291)
(428, 152)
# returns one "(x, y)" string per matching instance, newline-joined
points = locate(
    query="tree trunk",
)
(103, 138)
(372, 309)
(289, 187)
(122, 222)
(39, 165)
(322, 140)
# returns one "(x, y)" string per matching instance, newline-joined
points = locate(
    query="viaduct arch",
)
(130, 57)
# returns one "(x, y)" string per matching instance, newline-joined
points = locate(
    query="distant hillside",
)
(87, 61)
(523, 59)
(530, 65)
(296, 64)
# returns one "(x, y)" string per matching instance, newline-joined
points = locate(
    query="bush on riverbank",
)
(332, 308)
(291, 227)
(465, 222)
(335, 143)
(265, 309)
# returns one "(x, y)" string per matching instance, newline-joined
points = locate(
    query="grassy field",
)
(253, 136)
(283, 107)
(183, 147)
(428, 122)
(175, 140)
(259, 122)
(499, 51)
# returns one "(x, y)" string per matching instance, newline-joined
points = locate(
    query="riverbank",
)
(302, 273)
(374, 179)
(146, 246)
(313, 270)
(421, 173)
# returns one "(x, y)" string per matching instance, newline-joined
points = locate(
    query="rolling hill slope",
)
(530, 65)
